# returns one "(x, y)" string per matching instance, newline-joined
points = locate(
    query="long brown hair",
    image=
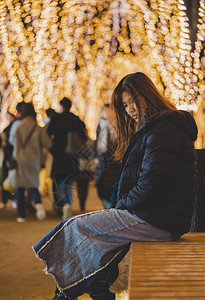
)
(136, 84)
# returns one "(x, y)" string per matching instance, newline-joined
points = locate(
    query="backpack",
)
(76, 138)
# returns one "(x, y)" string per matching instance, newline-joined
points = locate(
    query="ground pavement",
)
(21, 274)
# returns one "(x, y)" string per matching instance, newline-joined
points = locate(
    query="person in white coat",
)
(28, 139)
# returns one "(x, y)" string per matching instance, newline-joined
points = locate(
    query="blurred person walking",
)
(107, 170)
(7, 151)
(28, 141)
(65, 166)
(9, 180)
(86, 162)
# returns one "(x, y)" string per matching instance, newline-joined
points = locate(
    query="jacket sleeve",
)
(157, 168)
(44, 138)
(13, 139)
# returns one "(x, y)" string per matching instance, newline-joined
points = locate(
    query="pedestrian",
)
(7, 150)
(154, 200)
(64, 168)
(28, 139)
(107, 170)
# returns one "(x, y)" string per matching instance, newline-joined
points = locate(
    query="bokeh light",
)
(80, 49)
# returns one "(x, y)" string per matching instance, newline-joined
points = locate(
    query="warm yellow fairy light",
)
(80, 49)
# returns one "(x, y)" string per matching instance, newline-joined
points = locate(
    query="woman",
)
(28, 140)
(155, 194)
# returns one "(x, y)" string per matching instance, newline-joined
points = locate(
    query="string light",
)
(81, 49)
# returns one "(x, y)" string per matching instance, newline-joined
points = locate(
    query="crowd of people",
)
(75, 158)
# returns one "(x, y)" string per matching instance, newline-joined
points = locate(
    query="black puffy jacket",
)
(157, 181)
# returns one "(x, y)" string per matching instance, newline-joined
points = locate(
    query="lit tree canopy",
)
(81, 48)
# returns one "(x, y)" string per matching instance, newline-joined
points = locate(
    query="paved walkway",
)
(21, 274)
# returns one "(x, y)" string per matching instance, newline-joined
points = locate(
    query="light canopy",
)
(80, 49)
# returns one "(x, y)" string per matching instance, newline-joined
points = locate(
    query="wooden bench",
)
(168, 270)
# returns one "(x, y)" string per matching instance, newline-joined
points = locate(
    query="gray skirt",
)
(81, 246)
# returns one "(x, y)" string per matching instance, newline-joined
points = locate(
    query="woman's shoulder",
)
(171, 123)
(162, 132)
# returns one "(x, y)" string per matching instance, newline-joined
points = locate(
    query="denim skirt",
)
(84, 245)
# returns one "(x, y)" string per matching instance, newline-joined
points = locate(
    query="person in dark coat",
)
(64, 169)
(7, 150)
(107, 170)
(154, 199)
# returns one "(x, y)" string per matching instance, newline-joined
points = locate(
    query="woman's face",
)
(131, 107)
